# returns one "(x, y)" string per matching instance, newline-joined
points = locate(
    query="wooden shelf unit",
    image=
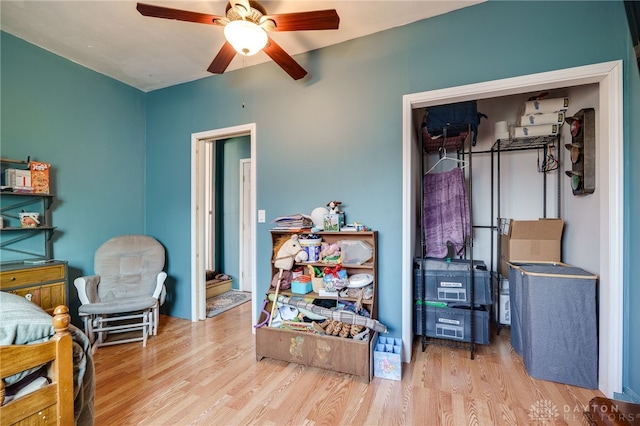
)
(330, 352)
(27, 267)
(18, 243)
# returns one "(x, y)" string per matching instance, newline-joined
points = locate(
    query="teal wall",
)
(336, 135)
(91, 129)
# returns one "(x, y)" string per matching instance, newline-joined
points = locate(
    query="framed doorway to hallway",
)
(200, 213)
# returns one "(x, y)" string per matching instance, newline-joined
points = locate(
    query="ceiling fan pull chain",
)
(243, 80)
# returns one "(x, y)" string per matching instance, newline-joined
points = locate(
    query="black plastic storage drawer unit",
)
(450, 282)
(453, 323)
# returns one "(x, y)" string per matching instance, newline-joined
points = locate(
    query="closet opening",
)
(598, 86)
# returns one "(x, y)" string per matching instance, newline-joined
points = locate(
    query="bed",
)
(46, 366)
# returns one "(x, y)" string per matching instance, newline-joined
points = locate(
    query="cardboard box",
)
(40, 176)
(530, 241)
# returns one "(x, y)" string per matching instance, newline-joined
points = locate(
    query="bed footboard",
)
(53, 401)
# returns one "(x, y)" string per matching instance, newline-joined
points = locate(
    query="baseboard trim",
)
(627, 395)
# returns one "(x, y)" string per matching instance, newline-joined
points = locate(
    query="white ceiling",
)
(112, 38)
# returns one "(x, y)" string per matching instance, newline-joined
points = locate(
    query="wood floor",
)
(206, 373)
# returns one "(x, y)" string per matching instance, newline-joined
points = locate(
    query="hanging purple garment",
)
(446, 216)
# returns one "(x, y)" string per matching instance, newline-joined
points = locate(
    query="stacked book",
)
(293, 222)
(542, 117)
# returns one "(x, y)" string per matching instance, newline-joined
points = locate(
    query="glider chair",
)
(126, 292)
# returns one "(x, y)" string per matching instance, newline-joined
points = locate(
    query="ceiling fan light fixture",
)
(246, 25)
(246, 37)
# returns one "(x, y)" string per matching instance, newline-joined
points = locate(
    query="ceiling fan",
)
(246, 27)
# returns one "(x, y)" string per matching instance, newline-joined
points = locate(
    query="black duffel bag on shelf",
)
(452, 119)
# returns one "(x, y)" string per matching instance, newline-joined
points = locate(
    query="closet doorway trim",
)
(608, 77)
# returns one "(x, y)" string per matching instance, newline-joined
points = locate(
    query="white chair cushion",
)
(128, 267)
(122, 305)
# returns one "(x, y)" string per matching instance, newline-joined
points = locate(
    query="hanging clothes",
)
(446, 216)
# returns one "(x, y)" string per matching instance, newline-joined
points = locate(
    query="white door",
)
(245, 225)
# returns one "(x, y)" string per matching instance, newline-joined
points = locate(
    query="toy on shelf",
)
(330, 252)
(290, 252)
(334, 207)
(334, 220)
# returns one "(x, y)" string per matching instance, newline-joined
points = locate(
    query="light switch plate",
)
(261, 216)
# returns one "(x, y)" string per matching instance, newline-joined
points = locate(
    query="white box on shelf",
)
(539, 130)
(327, 293)
(17, 177)
(545, 118)
(546, 105)
(331, 222)
(505, 310)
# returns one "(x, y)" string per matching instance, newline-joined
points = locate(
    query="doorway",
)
(200, 213)
(608, 78)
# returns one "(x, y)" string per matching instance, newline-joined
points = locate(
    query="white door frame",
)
(242, 273)
(199, 214)
(608, 76)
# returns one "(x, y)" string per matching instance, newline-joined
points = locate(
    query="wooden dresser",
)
(44, 284)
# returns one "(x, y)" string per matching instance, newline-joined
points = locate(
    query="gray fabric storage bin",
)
(515, 300)
(450, 282)
(558, 323)
(453, 323)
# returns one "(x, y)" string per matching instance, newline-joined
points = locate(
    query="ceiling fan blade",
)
(306, 21)
(178, 14)
(284, 60)
(222, 59)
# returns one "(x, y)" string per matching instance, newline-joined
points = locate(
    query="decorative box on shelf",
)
(334, 222)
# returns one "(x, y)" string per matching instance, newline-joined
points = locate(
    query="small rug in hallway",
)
(225, 301)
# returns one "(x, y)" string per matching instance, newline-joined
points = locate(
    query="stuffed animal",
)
(329, 252)
(334, 207)
(289, 252)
